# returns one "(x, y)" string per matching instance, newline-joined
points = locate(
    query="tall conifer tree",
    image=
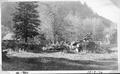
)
(26, 20)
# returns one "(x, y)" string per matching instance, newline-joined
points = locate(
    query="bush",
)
(95, 48)
(8, 44)
(91, 46)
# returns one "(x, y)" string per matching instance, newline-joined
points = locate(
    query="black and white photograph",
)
(60, 35)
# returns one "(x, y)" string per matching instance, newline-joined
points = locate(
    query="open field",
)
(60, 61)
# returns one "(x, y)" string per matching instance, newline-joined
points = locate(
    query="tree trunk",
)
(26, 44)
(25, 39)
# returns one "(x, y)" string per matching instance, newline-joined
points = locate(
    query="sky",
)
(109, 9)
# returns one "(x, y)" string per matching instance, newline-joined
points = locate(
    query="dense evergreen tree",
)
(26, 20)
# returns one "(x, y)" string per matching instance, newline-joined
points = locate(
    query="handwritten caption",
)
(94, 72)
(22, 72)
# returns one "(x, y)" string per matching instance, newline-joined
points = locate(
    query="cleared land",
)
(60, 61)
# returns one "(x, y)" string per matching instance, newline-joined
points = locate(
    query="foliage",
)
(60, 22)
(40, 39)
(26, 20)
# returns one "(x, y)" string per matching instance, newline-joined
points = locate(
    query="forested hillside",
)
(66, 21)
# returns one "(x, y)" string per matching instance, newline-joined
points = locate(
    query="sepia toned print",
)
(58, 35)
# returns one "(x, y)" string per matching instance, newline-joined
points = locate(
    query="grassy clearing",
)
(71, 56)
(60, 61)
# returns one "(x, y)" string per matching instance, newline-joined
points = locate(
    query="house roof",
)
(9, 36)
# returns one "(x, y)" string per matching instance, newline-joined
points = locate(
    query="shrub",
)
(8, 44)
(91, 46)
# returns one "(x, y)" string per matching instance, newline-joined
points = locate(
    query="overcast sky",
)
(109, 9)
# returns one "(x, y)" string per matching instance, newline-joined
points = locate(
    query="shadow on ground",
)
(50, 63)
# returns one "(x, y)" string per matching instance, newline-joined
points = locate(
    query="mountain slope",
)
(71, 17)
